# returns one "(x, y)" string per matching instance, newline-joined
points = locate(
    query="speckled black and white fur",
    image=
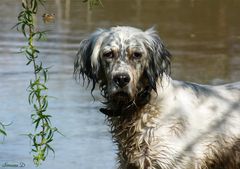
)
(157, 122)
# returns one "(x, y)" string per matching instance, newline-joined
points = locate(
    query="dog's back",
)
(206, 123)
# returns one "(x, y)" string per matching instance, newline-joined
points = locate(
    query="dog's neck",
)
(130, 136)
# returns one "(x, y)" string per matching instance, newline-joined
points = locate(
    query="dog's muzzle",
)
(121, 83)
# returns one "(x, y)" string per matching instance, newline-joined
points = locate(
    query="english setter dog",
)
(158, 122)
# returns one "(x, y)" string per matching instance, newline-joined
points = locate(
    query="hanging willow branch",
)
(38, 98)
(93, 3)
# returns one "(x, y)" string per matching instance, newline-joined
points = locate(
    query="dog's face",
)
(123, 60)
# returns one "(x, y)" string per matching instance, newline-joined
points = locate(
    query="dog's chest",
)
(138, 139)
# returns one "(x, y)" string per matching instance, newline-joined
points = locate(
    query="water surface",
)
(203, 37)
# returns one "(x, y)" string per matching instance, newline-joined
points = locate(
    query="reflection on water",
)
(203, 36)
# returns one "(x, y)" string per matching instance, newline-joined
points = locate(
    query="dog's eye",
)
(136, 55)
(108, 54)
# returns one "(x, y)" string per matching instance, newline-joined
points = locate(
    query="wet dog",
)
(158, 122)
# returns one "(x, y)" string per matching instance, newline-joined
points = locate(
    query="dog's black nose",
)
(121, 79)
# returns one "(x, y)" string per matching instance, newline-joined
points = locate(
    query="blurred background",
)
(202, 35)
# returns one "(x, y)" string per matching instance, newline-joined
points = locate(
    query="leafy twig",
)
(38, 98)
(93, 3)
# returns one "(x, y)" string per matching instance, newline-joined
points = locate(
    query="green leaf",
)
(34, 6)
(31, 97)
(50, 148)
(45, 75)
(23, 5)
(36, 122)
(29, 53)
(29, 61)
(3, 132)
(23, 30)
(16, 25)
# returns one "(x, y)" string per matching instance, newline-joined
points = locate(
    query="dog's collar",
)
(119, 110)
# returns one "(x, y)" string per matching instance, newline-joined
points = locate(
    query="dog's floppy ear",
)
(159, 57)
(87, 63)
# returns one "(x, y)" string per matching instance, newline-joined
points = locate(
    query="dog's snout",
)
(121, 79)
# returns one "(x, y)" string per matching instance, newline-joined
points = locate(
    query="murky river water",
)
(202, 35)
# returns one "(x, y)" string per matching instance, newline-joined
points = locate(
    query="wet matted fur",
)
(158, 122)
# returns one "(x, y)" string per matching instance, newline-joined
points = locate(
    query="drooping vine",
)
(38, 97)
(93, 3)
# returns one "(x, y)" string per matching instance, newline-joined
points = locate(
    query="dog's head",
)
(123, 60)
